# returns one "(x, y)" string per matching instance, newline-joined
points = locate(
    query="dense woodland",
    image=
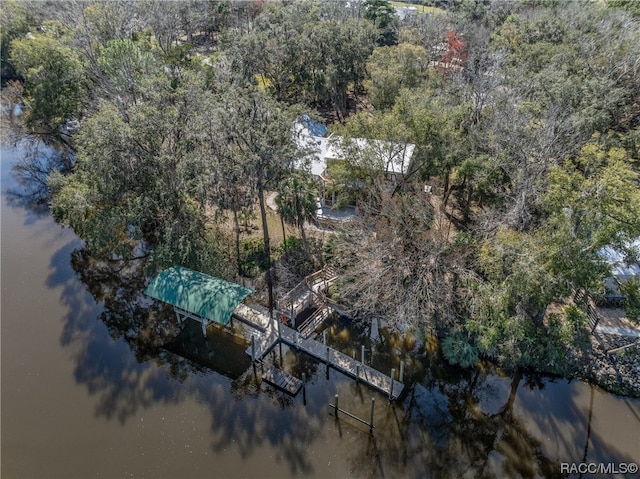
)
(175, 122)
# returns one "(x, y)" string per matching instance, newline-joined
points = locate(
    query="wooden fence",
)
(586, 303)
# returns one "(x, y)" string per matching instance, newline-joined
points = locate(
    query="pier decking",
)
(267, 339)
(307, 293)
(345, 364)
(185, 290)
(278, 378)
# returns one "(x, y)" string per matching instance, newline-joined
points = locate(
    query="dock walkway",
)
(344, 363)
(307, 293)
(267, 337)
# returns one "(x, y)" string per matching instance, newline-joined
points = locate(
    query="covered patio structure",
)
(196, 295)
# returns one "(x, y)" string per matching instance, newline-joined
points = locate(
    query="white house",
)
(623, 268)
(385, 156)
(406, 12)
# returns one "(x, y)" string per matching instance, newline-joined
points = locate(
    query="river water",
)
(87, 392)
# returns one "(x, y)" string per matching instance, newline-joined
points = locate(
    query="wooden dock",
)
(268, 338)
(344, 363)
(278, 378)
(307, 293)
(315, 320)
(263, 343)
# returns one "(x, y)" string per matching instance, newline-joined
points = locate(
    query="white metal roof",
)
(620, 268)
(390, 157)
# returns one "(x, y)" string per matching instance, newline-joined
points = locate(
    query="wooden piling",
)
(401, 378)
(280, 340)
(304, 388)
(362, 354)
(336, 406)
(316, 349)
(393, 374)
(253, 348)
(328, 351)
(373, 402)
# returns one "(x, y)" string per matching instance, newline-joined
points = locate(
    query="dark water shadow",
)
(440, 432)
(129, 360)
(565, 408)
(451, 424)
(31, 164)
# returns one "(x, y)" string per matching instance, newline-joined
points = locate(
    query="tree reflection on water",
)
(30, 175)
(451, 423)
(152, 333)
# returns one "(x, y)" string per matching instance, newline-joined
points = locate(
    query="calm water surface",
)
(87, 391)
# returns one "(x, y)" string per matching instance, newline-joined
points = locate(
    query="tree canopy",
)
(523, 119)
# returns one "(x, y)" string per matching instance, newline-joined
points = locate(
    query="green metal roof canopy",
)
(197, 293)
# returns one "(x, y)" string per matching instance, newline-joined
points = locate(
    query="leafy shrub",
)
(457, 350)
(291, 243)
(631, 302)
(329, 249)
(253, 257)
(575, 317)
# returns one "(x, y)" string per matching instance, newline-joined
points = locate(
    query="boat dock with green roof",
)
(197, 295)
(206, 299)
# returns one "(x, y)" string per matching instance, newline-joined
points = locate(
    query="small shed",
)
(197, 295)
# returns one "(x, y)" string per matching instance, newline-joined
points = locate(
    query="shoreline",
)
(617, 372)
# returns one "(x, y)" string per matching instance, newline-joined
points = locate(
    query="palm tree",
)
(297, 201)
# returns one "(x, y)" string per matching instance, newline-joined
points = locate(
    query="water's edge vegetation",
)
(175, 126)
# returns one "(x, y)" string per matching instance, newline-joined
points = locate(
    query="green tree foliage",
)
(254, 260)
(392, 68)
(297, 201)
(302, 56)
(597, 195)
(592, 201)
(281, 51)
(16, 22)
(371, 143)
(437, 127)
(382, 14)
(140, 176)
(632, 6)
(54, 77)
(257, 132)
(348, 46)
(102, 22)
(124, 66)
(458, 351)
(516, 263)
(631, 291)
(579, 65)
